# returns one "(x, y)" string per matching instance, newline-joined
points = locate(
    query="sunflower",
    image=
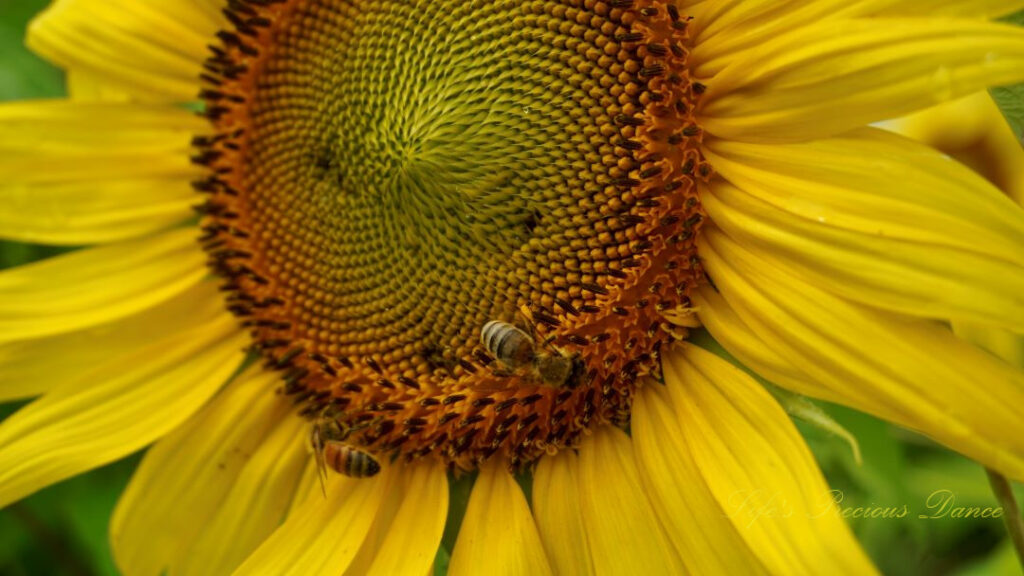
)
(438, 239)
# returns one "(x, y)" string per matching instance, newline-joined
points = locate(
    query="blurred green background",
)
(62, 530)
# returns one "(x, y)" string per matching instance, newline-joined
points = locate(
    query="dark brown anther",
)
(408, 382)
(448, 401)
(373, 365)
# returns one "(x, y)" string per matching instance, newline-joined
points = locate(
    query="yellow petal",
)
(960, 8)
(498, 536)
(955, 206)
(730, 330)
(1003, 343)
(974, 131)
(824, 79)
(308, 484)
(322, 535)
(758, 467)
(724, 30)
(254, 507)
(382, 523)
(559, 515)
(184, 478)
(84, 87)
(78, 212)
(97, 137)
(97, 285)
(412, 540)
(736, 336)
(909, 371)
(115, 409)
(152, 48)
(81, 173)
(906, 229)
(27, 367)
(704, 537)
(622, 528)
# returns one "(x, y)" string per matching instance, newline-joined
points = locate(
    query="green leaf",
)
(1010, 99)
(24, 75)
(1000, 562)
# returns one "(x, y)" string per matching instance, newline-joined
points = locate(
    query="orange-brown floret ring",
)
(301, 212)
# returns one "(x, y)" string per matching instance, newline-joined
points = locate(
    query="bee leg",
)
(547, 343)
(318, 455)
(524, 320)
(502, 371)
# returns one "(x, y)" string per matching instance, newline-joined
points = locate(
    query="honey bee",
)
(330, 450)
(516, 349)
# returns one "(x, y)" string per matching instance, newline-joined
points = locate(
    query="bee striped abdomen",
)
(508, 344)
(349, 461)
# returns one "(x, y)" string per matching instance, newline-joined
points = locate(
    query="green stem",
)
(1011, 512)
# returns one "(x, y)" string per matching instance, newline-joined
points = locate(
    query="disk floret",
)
(388, 178)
